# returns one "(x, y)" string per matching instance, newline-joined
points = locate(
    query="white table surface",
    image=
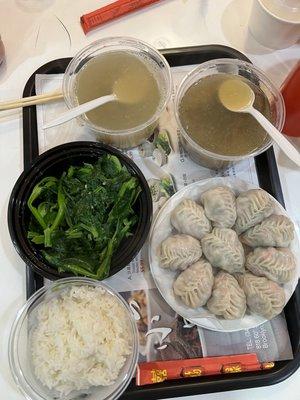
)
(33, 34)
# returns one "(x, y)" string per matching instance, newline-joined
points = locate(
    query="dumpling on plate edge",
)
(179, 251)
(264, 297)
(223, 249)
(277, 264)
(194, 285)
(274, 231)
(228, 300)
(188, 217)
(220, 206)
(252, 207)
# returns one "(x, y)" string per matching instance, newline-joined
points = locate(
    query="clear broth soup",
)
(99, 77)
(215, 128)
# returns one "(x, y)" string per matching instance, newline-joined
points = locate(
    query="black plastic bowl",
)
(53, 162)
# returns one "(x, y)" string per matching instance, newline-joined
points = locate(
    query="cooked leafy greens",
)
(80, 218)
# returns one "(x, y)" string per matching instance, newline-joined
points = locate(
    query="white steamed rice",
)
(82, 338)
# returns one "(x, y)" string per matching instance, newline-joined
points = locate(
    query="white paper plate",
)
(164, 278)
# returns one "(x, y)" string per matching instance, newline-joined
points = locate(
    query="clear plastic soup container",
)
(128, 137)
(235, 67)
(19, 351)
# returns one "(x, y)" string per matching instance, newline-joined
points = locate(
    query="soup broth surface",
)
(214, 127)
(129, 73)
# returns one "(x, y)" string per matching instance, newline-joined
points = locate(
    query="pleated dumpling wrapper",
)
(220, 206)
(228, 300)
(179, 251)
(188, 217)
(252, 207)
(223, 250)
(274, 231)
(277, 264)
(194, 285)
(264, 297)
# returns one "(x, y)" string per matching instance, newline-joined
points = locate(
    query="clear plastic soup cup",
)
(128, 137)
(19, 351)
(205, 157)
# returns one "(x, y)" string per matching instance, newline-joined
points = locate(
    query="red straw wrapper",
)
(158, 371)
(117, 9)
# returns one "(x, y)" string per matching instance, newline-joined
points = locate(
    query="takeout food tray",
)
(268, 178)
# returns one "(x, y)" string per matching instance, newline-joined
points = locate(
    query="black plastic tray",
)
(268, 179)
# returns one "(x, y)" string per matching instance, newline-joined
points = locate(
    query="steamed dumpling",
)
(220, 206)
(194, 285)
(264, 297)
(252, 207)
(189, 218)
(179, 251)
(276, 264)
(223, 249)
(228, 300)
(274, 231)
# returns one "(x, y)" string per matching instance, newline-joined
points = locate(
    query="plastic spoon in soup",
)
(127, 89)
(237, 96)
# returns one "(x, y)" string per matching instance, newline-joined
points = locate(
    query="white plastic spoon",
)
(81, 109)
(237, 96)
(127, 89)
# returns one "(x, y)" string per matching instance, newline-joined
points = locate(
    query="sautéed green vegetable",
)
(80, 218)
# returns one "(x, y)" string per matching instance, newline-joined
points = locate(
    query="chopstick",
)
(111, 11)
(31, 100)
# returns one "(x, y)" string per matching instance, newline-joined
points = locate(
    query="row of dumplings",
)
(213, 250)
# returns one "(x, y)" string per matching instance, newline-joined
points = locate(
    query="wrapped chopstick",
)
(158, 371)
(111, 11)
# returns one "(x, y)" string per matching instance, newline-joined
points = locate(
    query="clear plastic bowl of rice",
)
(31, 348)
